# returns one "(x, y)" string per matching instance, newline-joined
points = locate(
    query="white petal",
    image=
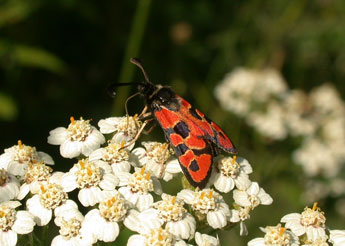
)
(257, 242)
(186, 195)
(216, 219)
(136, 240)
(241, 198)
(17, 169)
(109, 182)
(11, 204)
(184, 229)
(123, 177)
(107, 231)
(42, 216)
(129, 195)
(337, 237)
(97, 154)
(132, 220)
(144, 201)
(57, 136)
(253, 188)
(124, 166)
(157, 188)
(173, 166)
(242, 181)
(45, 157)
(223, 184)
(108, 125)
(69, 149)
(69, 182)
(149, 220)
(8, 238)
(66, 206)
(243, 229)
(265, 199)
(92, 142)
(9, 191)
(24, 223)
(5, 159)
(23, 191)
(204, 239)
(90, 196)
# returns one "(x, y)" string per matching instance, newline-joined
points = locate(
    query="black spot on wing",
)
(182, 129)
(194, 166)
(194, 113)
(180, 149)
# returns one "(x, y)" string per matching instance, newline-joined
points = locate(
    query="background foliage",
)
(57, 58)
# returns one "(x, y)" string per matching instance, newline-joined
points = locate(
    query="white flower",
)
(79, 138)
(9, 186)
(36, 175)
(208, 203)
(125, 128)
(16, 159)
(155, 237)
(114, 155)
(316, 157)
(275, 235)
(252, 196)
(73, 231)
(171, 213)
(206, 240)
(241, 214)
(13, 222)
(91, 178)
(157, 158)
(317, 242)
(109, 213)
(270, 123)
(232, 171)
(50, 198)
(310, 222)
(243, 88)
(337, 237)
(137, 187)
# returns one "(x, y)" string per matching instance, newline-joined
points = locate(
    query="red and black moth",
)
(195, 138)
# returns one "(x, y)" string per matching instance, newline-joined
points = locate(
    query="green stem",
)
(132, 50)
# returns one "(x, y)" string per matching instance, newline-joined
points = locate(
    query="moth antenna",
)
(137, 62)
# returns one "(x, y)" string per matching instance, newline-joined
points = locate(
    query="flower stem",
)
(132, 50)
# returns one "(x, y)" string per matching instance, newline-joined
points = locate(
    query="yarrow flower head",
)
(170, 214)
(110, 212)
(157, 159)
(17, 158)
(9, 186)
(14, 222)
(79, 138)
(275, 235)
(310, 222)
(115, 155)
(232, 171)
(125, 128)
(252, 197)
(155, 237)
(207, 203)
(73, 229)
(137, 187)
(42, 205)
(91, 178)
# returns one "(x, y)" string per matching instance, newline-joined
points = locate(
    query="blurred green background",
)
(57, 58)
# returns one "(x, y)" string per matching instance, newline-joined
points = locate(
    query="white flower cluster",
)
(307, 229)
(317, 119)
(120, 187)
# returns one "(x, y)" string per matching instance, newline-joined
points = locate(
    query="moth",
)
(195, 138)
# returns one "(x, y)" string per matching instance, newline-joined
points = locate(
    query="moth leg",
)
(148, 131)
(141, 129)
